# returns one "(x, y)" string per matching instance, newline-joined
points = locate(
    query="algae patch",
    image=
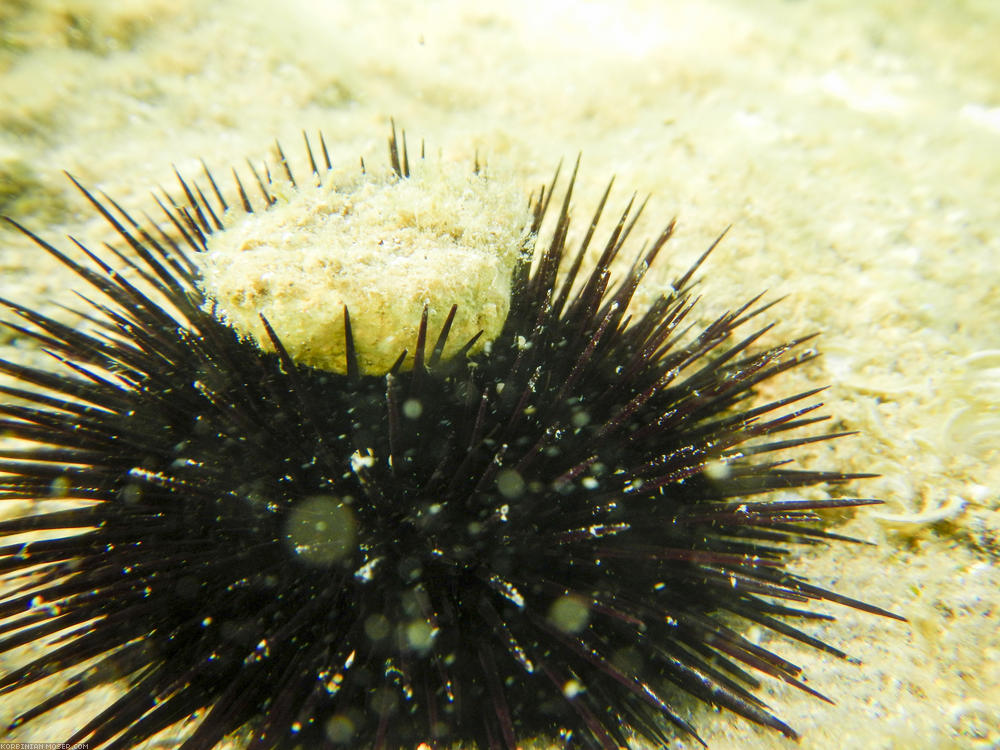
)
(382, 245)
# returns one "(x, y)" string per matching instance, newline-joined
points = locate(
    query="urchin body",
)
(534, 539)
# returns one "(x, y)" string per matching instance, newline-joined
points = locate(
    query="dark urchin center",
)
(411, 524)
(408, 550)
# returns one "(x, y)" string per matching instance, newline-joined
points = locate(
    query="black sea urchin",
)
(546, 538)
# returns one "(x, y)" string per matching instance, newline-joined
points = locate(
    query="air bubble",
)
(510, 484)
(570, 614)
(321, 530)
(412, 408)
(340, 730)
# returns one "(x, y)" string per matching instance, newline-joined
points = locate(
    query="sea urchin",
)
(550, 535)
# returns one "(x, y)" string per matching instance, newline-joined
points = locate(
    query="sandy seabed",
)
(854, 147)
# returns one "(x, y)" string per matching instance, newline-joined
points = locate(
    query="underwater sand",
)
(854, 147)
